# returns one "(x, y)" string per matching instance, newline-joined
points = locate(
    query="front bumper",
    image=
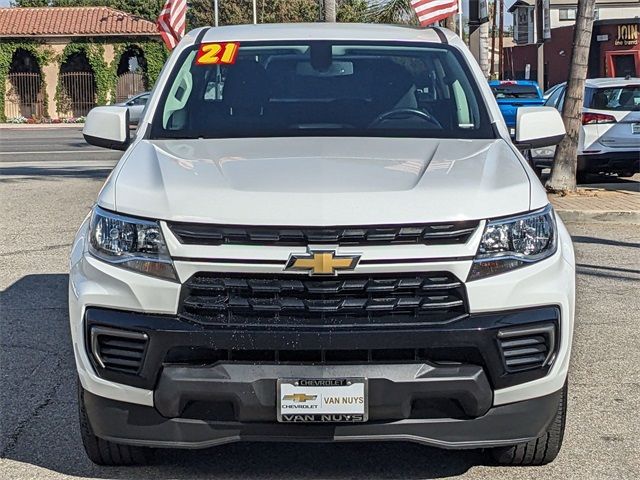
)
(445, 401)
(132, 424)
(171, 342)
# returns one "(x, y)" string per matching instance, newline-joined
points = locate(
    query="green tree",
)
(235, 12)
(30, 3)
(353, 11)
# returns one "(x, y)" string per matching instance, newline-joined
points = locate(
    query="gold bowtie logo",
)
(322, 262)
(299, 397)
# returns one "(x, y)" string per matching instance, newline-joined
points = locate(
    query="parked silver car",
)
(136, 106)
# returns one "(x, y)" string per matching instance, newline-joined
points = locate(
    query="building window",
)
(570, 14)
(567, 13)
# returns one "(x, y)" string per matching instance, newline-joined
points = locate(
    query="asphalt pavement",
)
(42, 202)
(50, 144)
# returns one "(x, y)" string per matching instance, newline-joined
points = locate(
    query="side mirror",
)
(108, 127)
(538, 127)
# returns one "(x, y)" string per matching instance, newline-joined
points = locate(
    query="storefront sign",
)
(627, 35)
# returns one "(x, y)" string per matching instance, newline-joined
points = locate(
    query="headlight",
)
(130, 243)
(514, 242)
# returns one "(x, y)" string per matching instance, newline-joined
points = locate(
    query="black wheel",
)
(103, 452)
(542, 450)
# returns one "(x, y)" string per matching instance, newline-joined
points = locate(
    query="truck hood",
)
(318, 181)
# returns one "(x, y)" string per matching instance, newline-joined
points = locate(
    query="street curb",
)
(580, 216)
(36, 126)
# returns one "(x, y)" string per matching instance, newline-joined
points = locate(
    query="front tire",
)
(542, 450)
(104, 452)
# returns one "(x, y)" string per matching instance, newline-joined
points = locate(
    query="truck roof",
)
(611, 82)
(513, 82)
(325, 31)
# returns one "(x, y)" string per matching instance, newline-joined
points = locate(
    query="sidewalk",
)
(619, 203)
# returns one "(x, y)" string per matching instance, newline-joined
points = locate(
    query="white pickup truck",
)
(322, 232)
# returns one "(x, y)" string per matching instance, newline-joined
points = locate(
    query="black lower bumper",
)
(247, 393)
(477, 340)
(610, 162)
(218, 385)
(139, 425)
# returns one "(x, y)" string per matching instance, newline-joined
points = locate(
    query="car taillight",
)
(591, 118)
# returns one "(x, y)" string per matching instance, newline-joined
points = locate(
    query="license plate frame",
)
(635, 128)
(325, 400)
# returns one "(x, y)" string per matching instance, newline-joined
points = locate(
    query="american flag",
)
(171, 22)
(430, 11)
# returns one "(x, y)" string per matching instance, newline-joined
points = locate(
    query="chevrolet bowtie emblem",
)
(299, 397)
(324, 262)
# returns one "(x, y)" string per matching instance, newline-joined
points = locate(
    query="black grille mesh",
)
(303, 301)
(430, 234)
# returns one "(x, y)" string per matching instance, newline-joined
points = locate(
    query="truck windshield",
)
(321, 88)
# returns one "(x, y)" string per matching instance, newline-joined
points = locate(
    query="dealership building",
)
(614, 52)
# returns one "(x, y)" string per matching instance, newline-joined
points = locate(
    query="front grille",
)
(118, 350)
(428, 234)
(336, 302)
(527, 348)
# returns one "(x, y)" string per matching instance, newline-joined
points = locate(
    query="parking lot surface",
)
(43, 198)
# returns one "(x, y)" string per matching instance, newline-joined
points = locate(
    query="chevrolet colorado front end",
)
(322, 232)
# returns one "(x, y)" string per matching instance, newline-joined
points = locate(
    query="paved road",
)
(41, 205)
(46, 143)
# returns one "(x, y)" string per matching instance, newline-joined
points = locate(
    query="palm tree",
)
(392, 11)
(329, 10)
(565, 162)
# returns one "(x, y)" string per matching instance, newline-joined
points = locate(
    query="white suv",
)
(322, 232)
(610, 136)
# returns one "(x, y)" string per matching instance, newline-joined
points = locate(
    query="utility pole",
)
(479, 33)
(216, 13)
(255, 13)
(460, 28)
(501, 44)
(330, 11)
(565, 162)
(484, 48)
(493, 38)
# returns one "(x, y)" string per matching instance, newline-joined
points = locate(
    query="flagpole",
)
(460, 20)
(216, 15)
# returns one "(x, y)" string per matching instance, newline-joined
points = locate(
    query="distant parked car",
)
(610, 136)
(513, 94)
(550, 91)
(136, 106)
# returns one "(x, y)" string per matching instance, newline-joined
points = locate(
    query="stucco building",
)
(60, 62)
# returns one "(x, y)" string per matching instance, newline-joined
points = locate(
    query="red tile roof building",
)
(72, 21)
(66, 85)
